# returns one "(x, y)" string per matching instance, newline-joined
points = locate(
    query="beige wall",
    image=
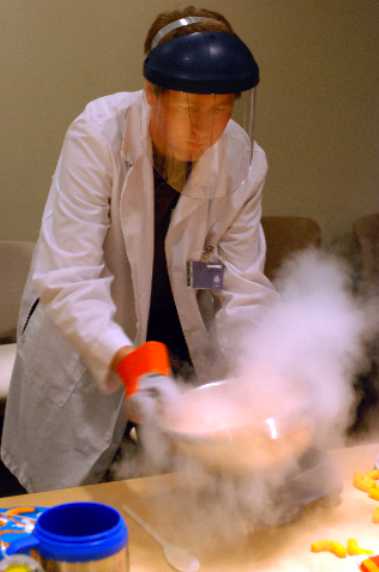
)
(317, 102)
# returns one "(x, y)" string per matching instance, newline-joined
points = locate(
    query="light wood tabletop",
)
(281, 549)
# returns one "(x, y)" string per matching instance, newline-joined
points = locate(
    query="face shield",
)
(200, 89)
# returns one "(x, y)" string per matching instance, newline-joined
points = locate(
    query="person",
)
(151, 233)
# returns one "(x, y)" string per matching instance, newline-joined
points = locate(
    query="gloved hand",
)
(154, 391)
(146, 373)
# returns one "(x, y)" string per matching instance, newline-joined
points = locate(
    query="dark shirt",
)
(164, 325)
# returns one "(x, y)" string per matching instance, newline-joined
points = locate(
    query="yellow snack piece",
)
(363, 482)
(353, 548)
(338, 549)
(374, 474)
(332, 546)
(373, 493)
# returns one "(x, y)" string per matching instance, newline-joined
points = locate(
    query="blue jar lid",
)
(80, 532)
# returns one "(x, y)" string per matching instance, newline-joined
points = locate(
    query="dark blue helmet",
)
(203, 62)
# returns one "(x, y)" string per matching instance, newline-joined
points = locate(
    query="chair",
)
(366, 234)
(15, 259)
(286, 235)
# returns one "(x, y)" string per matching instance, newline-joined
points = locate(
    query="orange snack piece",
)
(374, 474)
(370, 565)
(11, 531)
(332, 546)
(375, 515)
(19, 510)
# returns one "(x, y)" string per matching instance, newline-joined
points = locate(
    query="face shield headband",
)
(201, 62)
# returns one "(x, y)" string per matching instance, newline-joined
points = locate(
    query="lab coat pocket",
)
(51, 363)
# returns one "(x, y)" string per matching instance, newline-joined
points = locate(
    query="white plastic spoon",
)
(179, 558)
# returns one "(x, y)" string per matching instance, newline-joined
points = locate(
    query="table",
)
(283, 549)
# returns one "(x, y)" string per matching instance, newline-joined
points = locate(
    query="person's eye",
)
(178, 107)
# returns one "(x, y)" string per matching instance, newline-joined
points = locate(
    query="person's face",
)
(184, 125)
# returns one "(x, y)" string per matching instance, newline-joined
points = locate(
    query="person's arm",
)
(120, 355)
(70, 275)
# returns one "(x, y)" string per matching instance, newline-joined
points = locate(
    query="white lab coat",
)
(92, 271)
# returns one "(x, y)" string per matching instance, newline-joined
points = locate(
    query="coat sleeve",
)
(71, 276)
(247, 291)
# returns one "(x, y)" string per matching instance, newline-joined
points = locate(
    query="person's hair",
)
(219, 24)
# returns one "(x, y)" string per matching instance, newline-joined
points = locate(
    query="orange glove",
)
(146, 373)
(149, 359)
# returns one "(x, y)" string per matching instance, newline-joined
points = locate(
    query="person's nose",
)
(202, 124)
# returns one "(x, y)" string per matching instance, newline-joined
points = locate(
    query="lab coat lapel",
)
(184, 242)
(190, 222)
(137, 209)
(187, 231)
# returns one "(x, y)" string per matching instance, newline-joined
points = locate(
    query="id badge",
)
(205, 275)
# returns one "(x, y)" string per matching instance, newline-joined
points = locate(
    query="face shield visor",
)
(201, 91)
(184, 126)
